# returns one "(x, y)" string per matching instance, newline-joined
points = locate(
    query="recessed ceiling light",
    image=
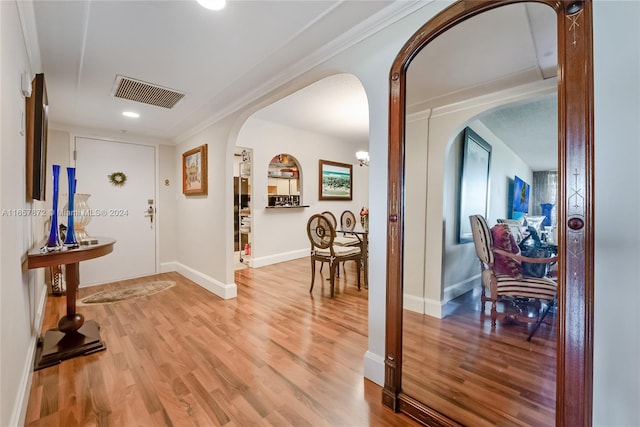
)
(213, 4)
(131, 114)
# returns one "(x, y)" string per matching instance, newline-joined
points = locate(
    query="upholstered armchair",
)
(502, 278)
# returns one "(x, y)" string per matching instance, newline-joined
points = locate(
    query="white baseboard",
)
(422, 305)
(19, 413)
(374, 368)
(457, 289)
(281, 257)
(433, 308)
(224, 291)
(413, 303)
(168, 267)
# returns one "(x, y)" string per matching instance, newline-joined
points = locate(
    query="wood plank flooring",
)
(277, 355)
(274, 356)
(479, 376)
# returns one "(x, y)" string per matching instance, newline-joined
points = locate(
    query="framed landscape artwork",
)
(335, 181)
(194, 171)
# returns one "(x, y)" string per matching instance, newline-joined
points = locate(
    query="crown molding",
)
(374, 24)
(27, 18)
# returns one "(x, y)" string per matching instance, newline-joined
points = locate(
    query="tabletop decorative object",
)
(70, 238)
(364, 218)
(82, 214)
(53, 242)
(546, 211)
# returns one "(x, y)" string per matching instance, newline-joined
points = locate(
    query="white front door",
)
(118, 211)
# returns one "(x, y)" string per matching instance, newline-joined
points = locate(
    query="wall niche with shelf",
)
(284, 183)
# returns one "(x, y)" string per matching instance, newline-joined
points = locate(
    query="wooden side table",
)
(74, 336)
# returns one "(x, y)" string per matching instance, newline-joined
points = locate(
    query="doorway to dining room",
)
(326, 120)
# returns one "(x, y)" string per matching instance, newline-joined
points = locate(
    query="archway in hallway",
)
(326, 120)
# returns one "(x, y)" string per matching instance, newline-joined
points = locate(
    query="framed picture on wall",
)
(474, 182)
(194, 171)
(335, 181)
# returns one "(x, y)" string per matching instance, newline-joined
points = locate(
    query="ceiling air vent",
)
(147, 93)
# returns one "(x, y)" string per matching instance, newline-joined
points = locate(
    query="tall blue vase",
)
(70, 238)
(53, 242)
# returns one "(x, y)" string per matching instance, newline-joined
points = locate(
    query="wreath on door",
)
(117, 178)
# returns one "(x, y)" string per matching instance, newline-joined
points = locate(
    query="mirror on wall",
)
(495, 75)
(466, 370)
(501, 86)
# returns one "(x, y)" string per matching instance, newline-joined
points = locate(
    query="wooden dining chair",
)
(348, 220)
(321, 235)
(341, 239)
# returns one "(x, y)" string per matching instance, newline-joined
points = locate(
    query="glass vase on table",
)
(53, 242)
(70, 241)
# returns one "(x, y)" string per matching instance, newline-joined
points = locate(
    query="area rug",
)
(121, 294)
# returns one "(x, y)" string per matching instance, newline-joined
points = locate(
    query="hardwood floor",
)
(480, 376)
(275, 355)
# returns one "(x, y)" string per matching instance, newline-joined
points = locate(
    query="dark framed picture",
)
(194, 171)
(474, 182)
(335, 181)
(36, 128)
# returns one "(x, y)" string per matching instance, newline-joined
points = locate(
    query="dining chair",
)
(341, 239)
(501, 273)
(348, 220)
(321, 235)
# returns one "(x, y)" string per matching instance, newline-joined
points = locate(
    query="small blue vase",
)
(70, 238)
(53, 242)
(546, 211)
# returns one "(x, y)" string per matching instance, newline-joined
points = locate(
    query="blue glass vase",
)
(546, 211)
(70, 238)
(53, 242)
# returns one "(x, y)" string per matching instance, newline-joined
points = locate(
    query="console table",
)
(74, 336)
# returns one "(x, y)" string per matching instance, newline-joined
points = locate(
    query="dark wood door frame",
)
(574, 381)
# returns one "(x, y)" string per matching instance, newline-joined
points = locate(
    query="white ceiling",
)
(336, 106)
(220, 60)
(223, 60)
(503, 48)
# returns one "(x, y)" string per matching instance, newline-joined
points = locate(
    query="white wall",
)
(616, 379)
(280, 234)
(168, 190)
(204, 226)
(22, 292)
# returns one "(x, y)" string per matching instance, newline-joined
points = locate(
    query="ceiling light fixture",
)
(363, 158)
(213, 4)
(131, 114)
